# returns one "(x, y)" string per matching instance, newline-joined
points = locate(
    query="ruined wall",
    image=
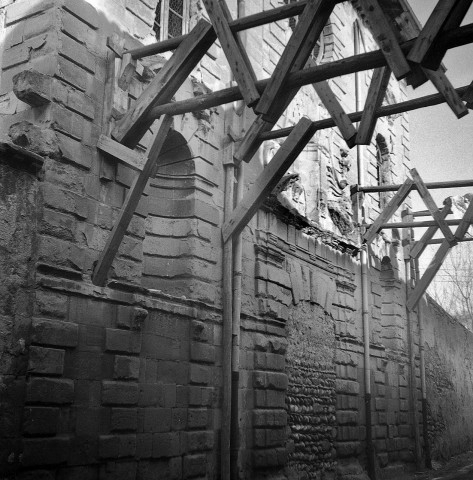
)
(449, 356)
(124, 381)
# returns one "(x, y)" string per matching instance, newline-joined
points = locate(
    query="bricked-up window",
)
(171, 18)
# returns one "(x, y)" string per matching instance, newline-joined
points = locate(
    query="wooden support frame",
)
(433, 60)
(419, 246)
(233, 49)
(122, 154)
(131, 128)
(432, 207)
(376, 92)
(431, 30)
(303, 39)
(337, 112)
(384, 36)
(269, 178)
(388, 211)
(252, 141)
(438, 260)
(105, 260)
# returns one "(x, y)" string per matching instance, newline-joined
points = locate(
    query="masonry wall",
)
(124, 381)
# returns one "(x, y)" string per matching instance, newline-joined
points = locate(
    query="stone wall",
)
(449, 356)
(124, 381)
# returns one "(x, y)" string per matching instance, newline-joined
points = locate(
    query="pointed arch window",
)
(171, 18)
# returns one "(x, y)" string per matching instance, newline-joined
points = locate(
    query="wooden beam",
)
(411, 28)
(419, 246)
(411, 224)
(438, 260)
(388, 211)
(234, 52)
(431, 205)
(252, 141)
(131, 128)
(376, 92)
(445, 88)
(438, 241)
(384, 36)
(268, 178)
(133, 197)
(431, 30)
(467, 96)
(357, 63)
(122, 154)
(433, 60)
(429, 185)
(307, 27)
(336, 111)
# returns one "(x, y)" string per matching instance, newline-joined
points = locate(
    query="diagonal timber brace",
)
(389, 211)
(234, 50)
(438, 260)
(432, 207)
(105, 260)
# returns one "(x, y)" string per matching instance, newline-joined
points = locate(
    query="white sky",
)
(441, 145)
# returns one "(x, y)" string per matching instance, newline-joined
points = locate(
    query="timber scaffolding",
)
(408, 51)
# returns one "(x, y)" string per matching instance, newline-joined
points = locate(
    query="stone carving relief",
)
(291, 194)
(338, 197)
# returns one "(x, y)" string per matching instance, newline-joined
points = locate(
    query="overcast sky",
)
(441, 145)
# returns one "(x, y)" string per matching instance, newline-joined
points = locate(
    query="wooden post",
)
(336, 111)
(376, 92)
(305, 36)
(384, 36)
(268, 178)
(234, 50)
(388, 211)
(105, 260)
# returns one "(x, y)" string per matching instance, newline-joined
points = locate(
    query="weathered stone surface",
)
(37, 139)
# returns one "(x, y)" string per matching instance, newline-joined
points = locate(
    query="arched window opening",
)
(171, 18)
(174, 151)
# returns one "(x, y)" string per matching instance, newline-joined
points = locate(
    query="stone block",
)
(117, 340)
(179, 419)
(40, 421)
(197, 418)
(45, 451)
(131, 318)
(166, 444)
(203, 332)
(126, 368)
(199, 374)
(35, 138)
(200, 441)
(194, 465)
(32, 87)
(55, 333)
(124, 419)
(201, 352)
(119, 393)
(45, 361)
(84, 11)
(144, 445)
(50, 390)
(157, 419)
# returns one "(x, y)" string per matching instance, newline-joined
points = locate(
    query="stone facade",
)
(124, 381)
